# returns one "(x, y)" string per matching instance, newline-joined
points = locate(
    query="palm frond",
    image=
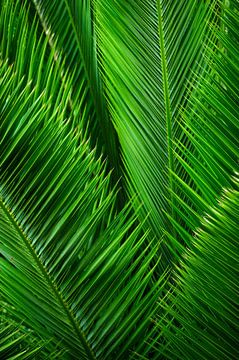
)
(79, 277)
(14, 343)
(18, 342)
(207, 306)
(200, 319)
(212, 126)
(68, 265)
(201, 316)
(148, 52)
(68, 26)
(31, 59)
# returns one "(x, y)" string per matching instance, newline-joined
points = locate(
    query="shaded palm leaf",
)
(15, 344)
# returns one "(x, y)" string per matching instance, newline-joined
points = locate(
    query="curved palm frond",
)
(68, 26)
(68, 265)
(200, 320)
(201, 316)
(84, 279)
(211, 124)
(148, 52)
(207, 306)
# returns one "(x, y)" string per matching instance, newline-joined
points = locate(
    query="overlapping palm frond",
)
(149, 50)
(83, 278)
(16, 343)
(211, 124)
(68, 26)
(24, 47)
(202, 319)
(19, 342)
(201, 316)
(68, 263)
(207, 306)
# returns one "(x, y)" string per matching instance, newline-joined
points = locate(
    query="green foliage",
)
(201, 314)
(207, 305)
(97, 99)
(68, 26)
(15, 344)
(61, 239)
(148, 53)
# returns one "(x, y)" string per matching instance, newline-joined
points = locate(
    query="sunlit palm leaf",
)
(31, 59)
(208, 302)
(148, 52)
(68, 26)
(203, 317)
(79, 273)
(211, 123)
(69, 267)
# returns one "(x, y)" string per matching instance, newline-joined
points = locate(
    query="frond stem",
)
(49, 280)
(168, 112)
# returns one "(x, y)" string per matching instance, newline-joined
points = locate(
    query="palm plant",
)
(119, 188)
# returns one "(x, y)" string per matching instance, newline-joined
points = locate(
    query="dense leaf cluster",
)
(119, 179)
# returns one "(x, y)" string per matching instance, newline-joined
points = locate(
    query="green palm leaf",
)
(31, 59)
(80, 278)
(68, 26)
(14, 344)
(207, 306)
(202, 319)
(19, 342)
(149, 50)
(68, 266)
(211, 124)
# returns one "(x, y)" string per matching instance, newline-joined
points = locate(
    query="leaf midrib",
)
(167, 102)
(49, 280)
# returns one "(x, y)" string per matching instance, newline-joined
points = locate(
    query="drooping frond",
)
(68, 26)
(69, 263)
(148, 52)
(211, 122)
(200, 320)
(203, 313)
